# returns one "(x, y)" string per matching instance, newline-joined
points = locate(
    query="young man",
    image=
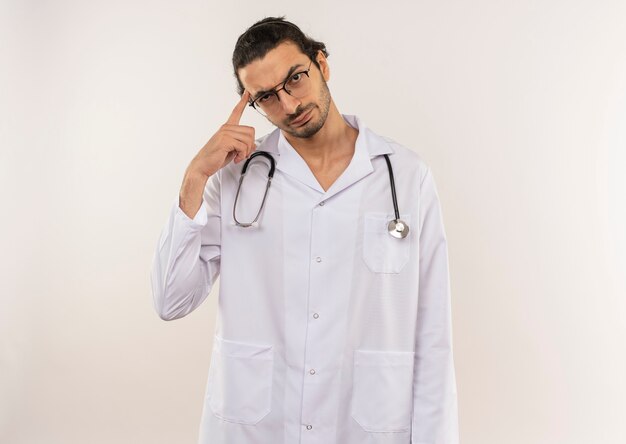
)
(334, 317)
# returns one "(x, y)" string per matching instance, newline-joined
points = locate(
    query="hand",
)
(231, 141)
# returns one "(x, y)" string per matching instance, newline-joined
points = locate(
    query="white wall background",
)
(518, 106)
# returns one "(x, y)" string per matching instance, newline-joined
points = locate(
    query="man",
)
(334, 319)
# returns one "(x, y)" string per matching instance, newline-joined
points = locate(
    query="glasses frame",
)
(257, 107)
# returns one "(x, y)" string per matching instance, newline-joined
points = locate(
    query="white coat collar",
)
(367, 146)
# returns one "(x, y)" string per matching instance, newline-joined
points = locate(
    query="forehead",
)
(266, 73)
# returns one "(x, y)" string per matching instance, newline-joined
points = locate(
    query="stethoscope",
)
(396, 227)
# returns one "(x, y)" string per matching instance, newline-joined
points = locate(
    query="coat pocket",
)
(240, 381)
(382, 252)
(382, 391)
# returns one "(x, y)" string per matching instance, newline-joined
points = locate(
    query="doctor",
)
(329, 329)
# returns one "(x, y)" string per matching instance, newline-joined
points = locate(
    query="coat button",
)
(318, 259)
(309, 427)
(312, 371)
(315, 315)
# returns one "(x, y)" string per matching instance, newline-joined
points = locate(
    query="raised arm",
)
(187, 259)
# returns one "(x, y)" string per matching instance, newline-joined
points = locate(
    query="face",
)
(271, 71)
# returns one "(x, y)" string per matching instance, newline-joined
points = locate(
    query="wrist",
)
(195, 174)
(192, 188)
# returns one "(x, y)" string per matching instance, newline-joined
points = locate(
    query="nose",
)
(288, 102)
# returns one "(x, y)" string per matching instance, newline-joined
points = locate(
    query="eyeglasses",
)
(296, 85)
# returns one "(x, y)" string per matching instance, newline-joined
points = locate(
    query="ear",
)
(323, 62)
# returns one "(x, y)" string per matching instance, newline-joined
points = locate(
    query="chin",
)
(309, 129)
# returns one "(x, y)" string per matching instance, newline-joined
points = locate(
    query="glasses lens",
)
(267, 104)
(259, 110)
(298, 86)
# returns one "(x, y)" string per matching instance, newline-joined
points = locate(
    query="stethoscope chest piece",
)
(398, 228)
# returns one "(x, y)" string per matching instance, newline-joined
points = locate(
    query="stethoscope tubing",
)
(393, 187)
(396, 227)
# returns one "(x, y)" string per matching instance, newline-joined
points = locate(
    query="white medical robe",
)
(328, 330)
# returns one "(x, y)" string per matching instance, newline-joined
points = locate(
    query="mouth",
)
(302, 119)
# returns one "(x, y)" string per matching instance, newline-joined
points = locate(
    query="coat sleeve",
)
(435, 409)
(186, 263)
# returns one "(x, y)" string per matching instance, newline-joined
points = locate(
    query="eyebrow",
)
(291, 71)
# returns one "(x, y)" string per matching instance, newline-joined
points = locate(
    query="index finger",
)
(238, 110)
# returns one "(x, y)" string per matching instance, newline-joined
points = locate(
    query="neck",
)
(335, 138)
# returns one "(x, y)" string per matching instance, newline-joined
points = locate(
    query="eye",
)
(295, 78)
(265, 97)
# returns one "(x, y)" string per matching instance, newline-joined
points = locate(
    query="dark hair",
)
(267, 34)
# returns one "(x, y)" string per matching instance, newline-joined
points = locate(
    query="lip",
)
(302, 118)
